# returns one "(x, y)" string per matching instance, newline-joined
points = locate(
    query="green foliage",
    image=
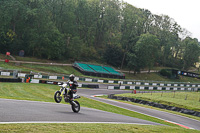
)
(113, 55)
(191, 53)
(86, 29)
(6, 41)
(90, 128)
(166, 73)
(176, 99)
(146, 50)
(44, 92)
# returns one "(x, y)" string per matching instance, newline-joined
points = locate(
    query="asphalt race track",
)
(19, 111)
(177, 119)
(22, 111)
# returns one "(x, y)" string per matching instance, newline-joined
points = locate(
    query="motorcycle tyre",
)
(56, 97)
(76, 109)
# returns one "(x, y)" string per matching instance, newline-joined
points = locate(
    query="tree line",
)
(109, 31)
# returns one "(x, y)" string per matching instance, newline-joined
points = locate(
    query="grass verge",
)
(68, 70)
(187, 100)
(158, 77)
(90, 128)
(146, 106)
(44, 92)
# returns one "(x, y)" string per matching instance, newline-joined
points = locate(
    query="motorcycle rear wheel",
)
(57, 97)
(76, 107)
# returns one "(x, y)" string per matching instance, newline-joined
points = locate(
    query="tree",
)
(113, 55)
(133, 63)
(88, 29)
(146, 50)
(191, 53)
(130, 28)
(6, 41)
(167, 31)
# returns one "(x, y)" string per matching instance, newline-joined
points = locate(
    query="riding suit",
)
(73, 88)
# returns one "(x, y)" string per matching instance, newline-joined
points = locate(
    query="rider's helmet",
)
(71, 77)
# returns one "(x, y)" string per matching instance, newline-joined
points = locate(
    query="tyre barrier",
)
(157, 105)
(10, 80)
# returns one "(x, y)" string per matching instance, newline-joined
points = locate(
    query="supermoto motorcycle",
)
(63, 93)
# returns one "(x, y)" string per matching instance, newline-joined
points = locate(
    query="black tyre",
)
(57, 96)
(76, 107)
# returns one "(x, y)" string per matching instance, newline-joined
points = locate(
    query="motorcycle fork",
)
(62, 91)
(74, 103)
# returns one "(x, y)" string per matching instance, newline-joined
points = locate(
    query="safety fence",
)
(137, 83)
(155, 88)
(46, 82)
(56, 83)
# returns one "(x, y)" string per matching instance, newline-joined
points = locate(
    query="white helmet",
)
(71, 77)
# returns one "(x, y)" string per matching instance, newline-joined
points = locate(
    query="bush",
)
(165, 72)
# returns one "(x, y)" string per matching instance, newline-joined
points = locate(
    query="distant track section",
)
(27, 62)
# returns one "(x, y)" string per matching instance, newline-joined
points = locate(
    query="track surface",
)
(30, 111)
(183, 121)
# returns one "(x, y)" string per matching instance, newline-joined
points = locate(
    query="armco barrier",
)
(10, 80)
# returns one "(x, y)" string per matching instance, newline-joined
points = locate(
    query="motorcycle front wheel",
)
(57, 96)
(75, 106)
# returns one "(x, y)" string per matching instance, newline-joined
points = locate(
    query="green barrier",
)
(116, 87)
(116, 82)
(137, 87)
(59, 77)
(155, 88)
(127, 87)
(125, 82)
(94, 80)
(45, 77)
(105, 81)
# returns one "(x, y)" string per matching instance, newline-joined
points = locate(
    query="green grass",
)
(52, 69)
(90, 128)
(146, 106)
(68, 70)
(18, 58)
(45, 93)
(176, 99)
(158, 77)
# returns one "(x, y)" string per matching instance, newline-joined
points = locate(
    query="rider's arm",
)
(67, 82)
(76, 83)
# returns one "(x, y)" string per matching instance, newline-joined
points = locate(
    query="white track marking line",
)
(144, 113)
(52, 122)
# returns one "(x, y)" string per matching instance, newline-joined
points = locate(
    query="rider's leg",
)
(71, 95)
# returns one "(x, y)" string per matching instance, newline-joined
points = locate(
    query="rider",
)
(73, 86)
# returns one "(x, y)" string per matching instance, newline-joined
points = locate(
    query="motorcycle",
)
(63, 92)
